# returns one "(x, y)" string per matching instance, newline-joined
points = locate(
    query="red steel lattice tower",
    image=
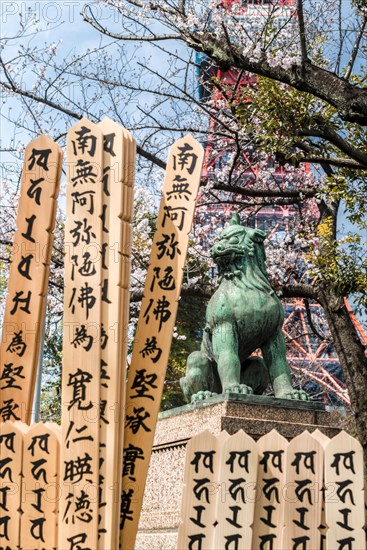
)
(310, 351)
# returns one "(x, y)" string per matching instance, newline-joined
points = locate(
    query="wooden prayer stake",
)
(269, 509)
(320, 437)
(155, 326)
(82, 338)
(114, 318)
(237, 483)
(344, 498)
(323, 440)
(55, 495)
(41, 468)
(129, 175)
(11, 452)
(28, 278)
(201, 492)
(303, 485)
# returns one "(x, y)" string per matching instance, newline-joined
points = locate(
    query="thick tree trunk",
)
(352, 358)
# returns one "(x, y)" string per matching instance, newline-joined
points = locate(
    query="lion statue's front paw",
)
(239, 388)
(201, 395)
(294, 394)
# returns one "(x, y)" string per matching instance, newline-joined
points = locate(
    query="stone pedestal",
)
(256, 415)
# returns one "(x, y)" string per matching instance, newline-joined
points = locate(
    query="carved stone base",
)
(256, 415)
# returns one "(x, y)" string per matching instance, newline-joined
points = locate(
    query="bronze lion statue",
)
(242, 316)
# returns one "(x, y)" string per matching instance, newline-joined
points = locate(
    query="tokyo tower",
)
(310, 351)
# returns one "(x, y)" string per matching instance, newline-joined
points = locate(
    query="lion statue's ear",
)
(235, 220)
(258, 235)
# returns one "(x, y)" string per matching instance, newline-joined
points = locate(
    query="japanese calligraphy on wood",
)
(303, 502)
(11, 450)
(82, 337)
(117, 205)
(237, 482)
(269, 510)
(323, 440)
(29, 489)
(344, 497)
(155, 326)
(28, 278)
(41, 491)
(289, 482)
(201, 493)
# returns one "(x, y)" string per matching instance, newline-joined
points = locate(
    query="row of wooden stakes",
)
(273, 494)
(30, 484)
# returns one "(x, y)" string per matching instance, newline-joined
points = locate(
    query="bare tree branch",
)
(31, 95)
(198, 103)
(128, 37)
(329, 134)
(310, 321)
(12, 88)
(353, 56)
(271, 193)
(335, 161)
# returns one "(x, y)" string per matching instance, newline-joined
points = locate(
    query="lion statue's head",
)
(240, 255)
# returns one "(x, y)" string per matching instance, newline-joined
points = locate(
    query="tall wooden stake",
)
(237, 484)
(269, 508)
(201, 492)
(323, 440)
(82, 338)
(11, 452)
(40, 495)
(303, 485)
(344, 495)
(28, 278)
(155, 326)
(116, 233)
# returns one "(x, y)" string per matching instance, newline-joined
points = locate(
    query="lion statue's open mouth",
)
(229, 254)
(243, 315)
(228, 259)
